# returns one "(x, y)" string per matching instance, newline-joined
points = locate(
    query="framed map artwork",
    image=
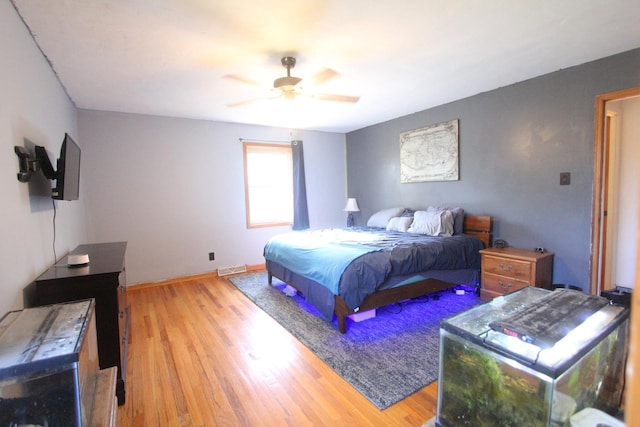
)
(430, 153)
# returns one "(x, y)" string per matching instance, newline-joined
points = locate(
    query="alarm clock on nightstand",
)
(499, 243)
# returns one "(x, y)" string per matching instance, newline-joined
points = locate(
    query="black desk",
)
(104, 280)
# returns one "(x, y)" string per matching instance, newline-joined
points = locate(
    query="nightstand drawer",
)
(500, 284)
(520, 270)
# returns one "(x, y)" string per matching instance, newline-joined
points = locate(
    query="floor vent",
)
(225, 271)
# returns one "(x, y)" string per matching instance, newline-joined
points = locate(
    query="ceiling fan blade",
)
(241, 79)
(338, 98)
(254, 100)
(322, 76)
(241, 103)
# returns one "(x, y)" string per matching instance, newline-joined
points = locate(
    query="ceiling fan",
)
(288, 87)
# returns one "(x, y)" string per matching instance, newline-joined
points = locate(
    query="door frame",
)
(599, 180)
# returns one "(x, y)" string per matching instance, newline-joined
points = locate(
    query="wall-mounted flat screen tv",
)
(67, 175)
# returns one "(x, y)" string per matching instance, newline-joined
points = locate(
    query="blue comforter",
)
(354, 262)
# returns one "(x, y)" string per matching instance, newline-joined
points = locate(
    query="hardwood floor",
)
(202, 354)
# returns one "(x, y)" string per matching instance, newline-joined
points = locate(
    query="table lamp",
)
(352, 206)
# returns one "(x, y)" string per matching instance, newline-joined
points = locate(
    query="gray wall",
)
(174, 190)
(514, 142)
(34, 109)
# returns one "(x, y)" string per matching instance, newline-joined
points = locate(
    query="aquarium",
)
(532, 358)
(48, 365)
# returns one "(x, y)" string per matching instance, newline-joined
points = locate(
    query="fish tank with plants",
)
(532, 358)
(48, 365)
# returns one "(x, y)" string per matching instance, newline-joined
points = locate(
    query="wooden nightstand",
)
(506, 270)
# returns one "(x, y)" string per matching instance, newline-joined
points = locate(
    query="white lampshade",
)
(352, 206)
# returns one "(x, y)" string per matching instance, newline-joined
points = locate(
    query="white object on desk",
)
(78, 259)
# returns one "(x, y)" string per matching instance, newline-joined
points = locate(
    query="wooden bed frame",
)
(474, 225)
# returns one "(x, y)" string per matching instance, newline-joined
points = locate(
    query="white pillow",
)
(381, 218)
(458, 217)
(432, 223)
(399, 223)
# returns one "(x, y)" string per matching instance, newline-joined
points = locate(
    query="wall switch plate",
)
(565, 178)
(212, 256)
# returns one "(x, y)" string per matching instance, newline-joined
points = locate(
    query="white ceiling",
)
(169, 57)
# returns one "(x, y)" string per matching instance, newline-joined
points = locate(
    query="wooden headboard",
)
(478, 226)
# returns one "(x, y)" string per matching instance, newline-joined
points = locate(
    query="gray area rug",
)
(385, 358)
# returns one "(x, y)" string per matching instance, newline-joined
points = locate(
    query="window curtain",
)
(300, 210)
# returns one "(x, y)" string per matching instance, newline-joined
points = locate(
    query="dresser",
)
(506, 270)
(102, 279)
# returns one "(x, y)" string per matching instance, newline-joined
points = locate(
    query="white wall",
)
(174, 190)
(33, 106)
(628, 193)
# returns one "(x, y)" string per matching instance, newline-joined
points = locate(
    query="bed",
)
(346, 271)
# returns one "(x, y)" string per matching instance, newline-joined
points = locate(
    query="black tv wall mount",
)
(29, 163)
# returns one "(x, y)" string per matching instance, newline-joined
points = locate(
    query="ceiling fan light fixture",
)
(287, 83)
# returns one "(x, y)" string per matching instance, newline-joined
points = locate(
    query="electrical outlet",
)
(212, 256)
(565, 178)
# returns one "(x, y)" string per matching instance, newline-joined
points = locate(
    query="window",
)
(268, 178)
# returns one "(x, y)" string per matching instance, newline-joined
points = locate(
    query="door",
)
(607, 244)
